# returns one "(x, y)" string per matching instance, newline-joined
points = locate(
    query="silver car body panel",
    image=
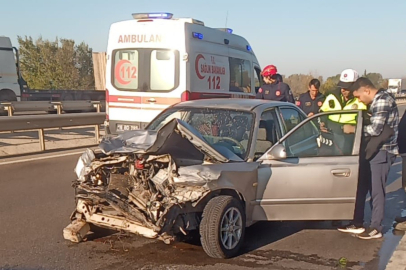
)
(308, 188)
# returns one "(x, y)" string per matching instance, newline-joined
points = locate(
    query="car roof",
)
(230, 103)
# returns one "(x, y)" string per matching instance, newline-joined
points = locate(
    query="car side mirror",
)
(277, 152)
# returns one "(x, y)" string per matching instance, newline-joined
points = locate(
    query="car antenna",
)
(226, 19)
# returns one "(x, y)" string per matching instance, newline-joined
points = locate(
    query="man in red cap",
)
(274, 89)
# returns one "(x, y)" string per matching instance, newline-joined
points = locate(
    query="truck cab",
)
(11, 82)
(394, 86)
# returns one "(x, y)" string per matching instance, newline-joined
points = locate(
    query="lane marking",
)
(40, 158)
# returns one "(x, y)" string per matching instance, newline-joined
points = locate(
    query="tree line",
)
(299, 82)
(59, 64)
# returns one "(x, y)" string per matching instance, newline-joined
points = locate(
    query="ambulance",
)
(156, 60)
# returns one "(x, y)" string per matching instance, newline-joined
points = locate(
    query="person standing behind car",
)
(311, 101)
(274, 89)
(341, 99)
(384, 112)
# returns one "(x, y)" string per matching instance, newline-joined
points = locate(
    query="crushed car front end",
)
(138, 193)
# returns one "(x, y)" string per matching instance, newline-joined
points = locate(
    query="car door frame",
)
(332, 199)
(279, 121)
(282, 120)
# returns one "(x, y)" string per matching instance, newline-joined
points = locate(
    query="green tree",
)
(84, 62)
(376, 79)
(299, 83)
(58, 64)
(330, 84)
(385, 84)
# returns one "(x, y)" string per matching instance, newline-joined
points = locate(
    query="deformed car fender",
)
(222, 179)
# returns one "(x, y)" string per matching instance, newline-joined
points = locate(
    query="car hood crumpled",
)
(176, 138)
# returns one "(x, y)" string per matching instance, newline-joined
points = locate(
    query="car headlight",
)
(83, 162)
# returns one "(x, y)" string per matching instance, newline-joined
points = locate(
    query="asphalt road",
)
(37, 200)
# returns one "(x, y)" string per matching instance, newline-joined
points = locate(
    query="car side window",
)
(323, 138)
(291, 118)
(267, 134)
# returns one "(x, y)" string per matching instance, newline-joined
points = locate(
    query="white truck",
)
(14, 88)
(395, 86)
(11, 83)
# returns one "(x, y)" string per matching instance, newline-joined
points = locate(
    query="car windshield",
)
(219, 127)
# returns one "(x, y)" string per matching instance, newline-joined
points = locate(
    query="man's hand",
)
(310, 114)
(323, 127)
(349, 129)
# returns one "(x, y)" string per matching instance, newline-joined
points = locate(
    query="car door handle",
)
(341, 172)
(152, 100)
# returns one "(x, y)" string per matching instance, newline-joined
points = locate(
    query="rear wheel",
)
(7, 95)
(222, 227)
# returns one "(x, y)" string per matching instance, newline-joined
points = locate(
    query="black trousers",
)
(372, 178)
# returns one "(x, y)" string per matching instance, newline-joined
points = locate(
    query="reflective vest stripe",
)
(353, 104)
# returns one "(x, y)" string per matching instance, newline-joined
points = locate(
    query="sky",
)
(323, 37)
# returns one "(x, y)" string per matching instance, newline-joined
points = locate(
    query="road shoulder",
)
(398, 259)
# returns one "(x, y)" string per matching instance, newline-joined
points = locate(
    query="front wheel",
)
(222, 227)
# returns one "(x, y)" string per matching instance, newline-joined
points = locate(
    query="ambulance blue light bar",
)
(197, 35)
(249, 48)
(228, 30)
(156, 15)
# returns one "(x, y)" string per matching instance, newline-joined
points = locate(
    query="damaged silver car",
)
(216, 166)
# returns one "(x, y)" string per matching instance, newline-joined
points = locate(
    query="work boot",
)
(400, 219)
(401, 226)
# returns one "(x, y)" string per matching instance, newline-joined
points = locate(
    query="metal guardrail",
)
(50, 106)
(400, 97)
(41, 122)
(74, 105)
(24, 106)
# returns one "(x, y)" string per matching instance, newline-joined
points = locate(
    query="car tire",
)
(216, 242)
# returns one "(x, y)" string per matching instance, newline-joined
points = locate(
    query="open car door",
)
(312, 172)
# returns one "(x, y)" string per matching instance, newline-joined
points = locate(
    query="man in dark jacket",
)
(273, 89)
(402, 147)
(384, 113)
(402, 135)
(311, 101)
(401, 221)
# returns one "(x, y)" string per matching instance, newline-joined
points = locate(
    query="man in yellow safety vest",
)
(342, 99)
